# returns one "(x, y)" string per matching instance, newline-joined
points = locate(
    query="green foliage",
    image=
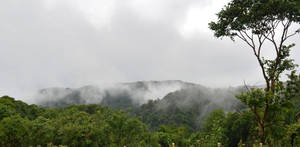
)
(42, 131)
(154, 115)
(254, 22)
(281, 108)
(239, 127)
(298, 4)
(79, 125)
(95, 125)
(254, 15)
(227, 128)
(14, 131)
(90, 125)
(170, 134)
(214, 129)
(8, 107)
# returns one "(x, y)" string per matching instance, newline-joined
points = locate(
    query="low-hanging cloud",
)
(138, 93)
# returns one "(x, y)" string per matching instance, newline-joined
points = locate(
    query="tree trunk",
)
(261, 132)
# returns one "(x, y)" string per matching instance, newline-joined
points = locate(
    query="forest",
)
(95, 125)
(183, 120)
(191, 116)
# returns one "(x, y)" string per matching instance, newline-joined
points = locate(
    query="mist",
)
(166, 94)
(139, 92)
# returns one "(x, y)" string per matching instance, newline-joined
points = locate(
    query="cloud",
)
(72, 43)
(198, 16)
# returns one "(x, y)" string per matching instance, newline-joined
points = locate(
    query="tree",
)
(213, 128)
(239, 127)
(124, 130)
(257, 22)
(42, 132)
(172, 134)
(14, 131)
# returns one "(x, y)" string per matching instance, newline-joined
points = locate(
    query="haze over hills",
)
(135, 93)
(170, 102)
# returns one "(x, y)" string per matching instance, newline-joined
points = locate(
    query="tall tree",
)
(257, 22)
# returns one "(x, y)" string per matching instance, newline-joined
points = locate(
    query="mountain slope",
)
(156, 102)
(188, 106)
(119, 96)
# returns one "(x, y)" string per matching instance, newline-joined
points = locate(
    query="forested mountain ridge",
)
(127, 94)
(188, 107)
(158, 103)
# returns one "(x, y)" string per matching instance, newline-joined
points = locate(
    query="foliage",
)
(154, 116)
(94, 125)
(14, 131)
(79, 125)
(90, 125)
(255, 22)
(229, 129)
(214, 129)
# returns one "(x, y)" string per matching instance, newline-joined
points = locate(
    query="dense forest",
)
(148, 125)
(95, 125)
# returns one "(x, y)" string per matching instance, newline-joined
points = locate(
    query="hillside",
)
(158, 103)
(118, 96)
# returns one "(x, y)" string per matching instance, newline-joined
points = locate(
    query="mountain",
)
(118, 96)
(157, 103)
(189, 107)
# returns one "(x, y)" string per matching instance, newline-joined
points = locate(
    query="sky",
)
(73, 43)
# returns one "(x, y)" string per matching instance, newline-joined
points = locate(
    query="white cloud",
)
(98, 12)
(72, 43)
(198, 16)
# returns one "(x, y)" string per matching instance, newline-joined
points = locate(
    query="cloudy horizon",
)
(73, 43)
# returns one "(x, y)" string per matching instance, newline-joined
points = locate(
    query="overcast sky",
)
(72, 43)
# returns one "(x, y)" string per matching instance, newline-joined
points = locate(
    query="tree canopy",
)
(257, 22)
